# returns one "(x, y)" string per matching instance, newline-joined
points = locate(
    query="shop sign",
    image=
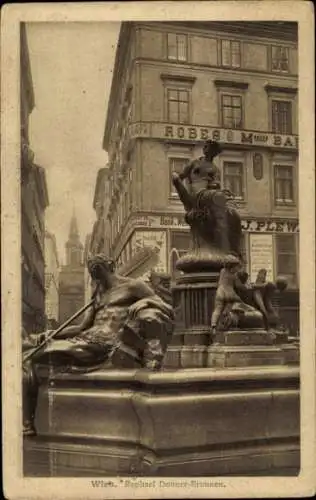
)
(139, 130)
(171, 221)
(201, 133)
(152, 239)
(261, 255)
(270, 226)
(250, 225)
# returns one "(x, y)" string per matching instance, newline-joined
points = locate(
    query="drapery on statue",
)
(214, 221)
(242, 305)
(127, 326)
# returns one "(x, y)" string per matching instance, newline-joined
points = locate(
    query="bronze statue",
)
(230, 311)
(242, 305)
(127, 326)
(210, 212)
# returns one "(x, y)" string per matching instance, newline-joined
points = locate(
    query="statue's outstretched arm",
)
(183, 193)
(72, 331)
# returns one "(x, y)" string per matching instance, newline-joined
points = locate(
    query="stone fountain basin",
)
(193, 422)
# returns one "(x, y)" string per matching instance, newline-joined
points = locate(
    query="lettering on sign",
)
(270, 226)
(139, 130)
(171, 220)
(261, 255)
(145, 220)
(260, 138)
(191, 133)
(249, 225)
(246, 138)
(197, 133)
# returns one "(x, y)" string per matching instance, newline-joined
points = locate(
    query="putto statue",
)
(210, 212)
(243, 305)
(128, 326)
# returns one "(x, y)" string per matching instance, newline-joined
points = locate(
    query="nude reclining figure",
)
(128, 326)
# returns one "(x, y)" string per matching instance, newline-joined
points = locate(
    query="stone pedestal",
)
(235, 356)
(192, 345)
(193, 296)
(244, 348)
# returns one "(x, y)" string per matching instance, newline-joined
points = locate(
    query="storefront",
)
(267, 243)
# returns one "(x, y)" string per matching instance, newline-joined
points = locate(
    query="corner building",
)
(174, 86)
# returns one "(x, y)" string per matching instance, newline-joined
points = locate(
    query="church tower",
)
(74, 247)
(71, 277)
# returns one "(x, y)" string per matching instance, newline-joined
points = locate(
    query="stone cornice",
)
(180, 78)
(276, 88)
(232, 84)
(278, 30)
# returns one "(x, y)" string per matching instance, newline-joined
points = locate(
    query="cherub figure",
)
(239, 304)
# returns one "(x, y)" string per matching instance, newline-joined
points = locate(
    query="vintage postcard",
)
(158, 249)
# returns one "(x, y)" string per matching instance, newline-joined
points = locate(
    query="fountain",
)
(226, 401)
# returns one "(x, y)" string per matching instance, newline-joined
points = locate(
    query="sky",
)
(72, 67)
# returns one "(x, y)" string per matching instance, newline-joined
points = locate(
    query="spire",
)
(74, 248)
(73, 229)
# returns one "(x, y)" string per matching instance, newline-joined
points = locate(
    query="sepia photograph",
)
(160, 235)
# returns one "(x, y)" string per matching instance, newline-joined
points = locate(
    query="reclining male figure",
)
(127, 326)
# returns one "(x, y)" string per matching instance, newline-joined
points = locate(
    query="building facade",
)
(34, 201)
(72, 277)
(174, 86)
(87, 277)
(51, 281)
(100, 237)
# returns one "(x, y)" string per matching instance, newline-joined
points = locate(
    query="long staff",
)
(53, 334)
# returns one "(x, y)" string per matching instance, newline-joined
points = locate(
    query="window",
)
(286, 257)
(283, 184)
(233, 178)
(230, 54)
(176, 165)
(282, 117)
(280, 59)
(231, 111)
(177, 47)
(178, 106)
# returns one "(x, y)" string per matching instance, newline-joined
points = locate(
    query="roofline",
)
(25, 58)
(283, 30)
(120, 56)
